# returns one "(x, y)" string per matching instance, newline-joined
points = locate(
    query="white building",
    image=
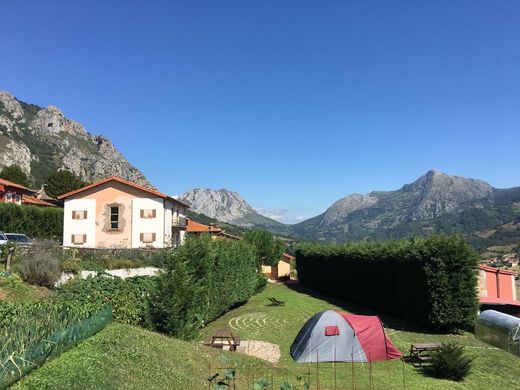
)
(115, 213)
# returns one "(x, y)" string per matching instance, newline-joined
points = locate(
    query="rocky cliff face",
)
(227, 206)
(42, 140)
(224, 205)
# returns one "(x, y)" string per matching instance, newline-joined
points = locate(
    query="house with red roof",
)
(17, 194)
(116, 213)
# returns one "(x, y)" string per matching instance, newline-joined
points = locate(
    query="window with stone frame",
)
(114, 217)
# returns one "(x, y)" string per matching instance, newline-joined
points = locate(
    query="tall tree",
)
(268, 249)
(61, 182)
(15, 174)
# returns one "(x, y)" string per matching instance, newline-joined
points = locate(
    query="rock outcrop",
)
(42, 140)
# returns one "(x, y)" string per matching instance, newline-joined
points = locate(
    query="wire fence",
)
(312, 376)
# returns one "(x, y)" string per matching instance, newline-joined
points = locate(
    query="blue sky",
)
(293, 104)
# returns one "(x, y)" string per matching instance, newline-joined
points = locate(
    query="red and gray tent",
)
(330, 336)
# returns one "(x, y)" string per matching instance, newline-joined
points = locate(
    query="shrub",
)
(450, 363)
(40, 268)
(128, 297)
(36, 222)
(429, 281)
(203, 279)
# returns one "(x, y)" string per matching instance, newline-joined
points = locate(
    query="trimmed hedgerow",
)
(35, 222)
(203, 279)
(429, 281)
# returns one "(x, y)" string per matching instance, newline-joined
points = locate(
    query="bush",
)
(450, 363)
(35, 222)
(40, 268)
(428, 281)
(204, 278)
(128, 297)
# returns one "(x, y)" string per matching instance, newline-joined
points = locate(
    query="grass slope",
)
(125, 357)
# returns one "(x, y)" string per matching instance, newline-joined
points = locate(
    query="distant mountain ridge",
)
(42, 140)
(434, 203)
(227, 206)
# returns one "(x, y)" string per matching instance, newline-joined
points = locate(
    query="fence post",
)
(317, 370)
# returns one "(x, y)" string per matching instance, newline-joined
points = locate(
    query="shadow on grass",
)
(388, 320)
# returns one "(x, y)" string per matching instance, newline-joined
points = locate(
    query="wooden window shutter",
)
(142, 213)
(154, 213)
(141, 237)
(73, 238)
(85, 215)
(73, 215)
(84, 238)
(153, 236)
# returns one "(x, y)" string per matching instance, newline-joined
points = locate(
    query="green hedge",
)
(428, 281)
(35, 222)
(204, 278)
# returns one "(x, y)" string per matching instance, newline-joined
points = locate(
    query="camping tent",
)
(330, 336)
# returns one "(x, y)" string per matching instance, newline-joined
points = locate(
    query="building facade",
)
(17, 194)
(115, 213)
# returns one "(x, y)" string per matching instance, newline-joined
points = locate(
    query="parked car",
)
(21, 239)
(3, 238)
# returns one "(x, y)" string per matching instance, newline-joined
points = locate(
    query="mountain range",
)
(42, 140)
(434, 203)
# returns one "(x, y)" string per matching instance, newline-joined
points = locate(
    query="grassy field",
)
(493, 368)
(125, 357)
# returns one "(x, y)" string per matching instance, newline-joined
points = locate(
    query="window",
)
(148, 214)
(78, 239)
(81, 214)
(147, 238)
(8, 198)
(18, 199)
(331, 331)
(114, 217)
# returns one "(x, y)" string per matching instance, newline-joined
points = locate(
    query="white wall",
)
(151, 225)
(79, 226)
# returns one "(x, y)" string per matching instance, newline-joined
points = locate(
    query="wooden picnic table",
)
(422, 352)
(223, 338)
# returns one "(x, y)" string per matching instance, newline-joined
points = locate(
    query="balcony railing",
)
(179, 222)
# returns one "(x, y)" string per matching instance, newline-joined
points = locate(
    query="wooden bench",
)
(422, 353)
(276, 302)
(222, 338)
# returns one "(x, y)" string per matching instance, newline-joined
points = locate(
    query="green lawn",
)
(493, 368)
(126, 357)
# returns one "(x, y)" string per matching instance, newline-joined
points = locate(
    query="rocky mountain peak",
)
(11, 105)
(222, 204)
(343, 207)
(42, 140)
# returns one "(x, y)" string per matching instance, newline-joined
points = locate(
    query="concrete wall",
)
(122, 273)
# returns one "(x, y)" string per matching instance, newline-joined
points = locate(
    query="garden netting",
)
(37, 354)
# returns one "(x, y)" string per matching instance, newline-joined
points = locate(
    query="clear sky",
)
(293, 104)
